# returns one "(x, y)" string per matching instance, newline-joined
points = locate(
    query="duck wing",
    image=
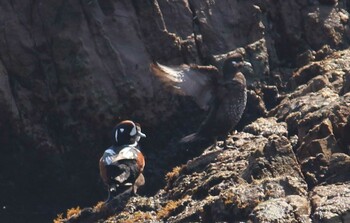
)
(191, 80)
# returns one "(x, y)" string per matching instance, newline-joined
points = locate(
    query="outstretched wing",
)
(195, 81)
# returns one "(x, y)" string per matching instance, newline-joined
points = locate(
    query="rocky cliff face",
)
(70, 70)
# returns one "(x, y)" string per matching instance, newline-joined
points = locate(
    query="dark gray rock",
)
(70, 70)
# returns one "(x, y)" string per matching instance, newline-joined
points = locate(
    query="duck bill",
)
(247, 64)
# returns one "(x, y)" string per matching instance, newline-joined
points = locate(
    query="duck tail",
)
(193, 138)
(196, 139)
(196, 143)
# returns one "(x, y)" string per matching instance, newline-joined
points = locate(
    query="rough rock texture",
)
(70, 70)
(231, 185)
(331, 203)
(318, 111)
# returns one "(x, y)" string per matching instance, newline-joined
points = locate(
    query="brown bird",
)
(222, 94)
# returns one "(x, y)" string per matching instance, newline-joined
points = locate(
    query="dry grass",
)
(171, 176)
(169, 207)
(140, 216)
(59, 218)
(73, 211)
(137, 216)
(70, 212)
(98, 206)
(230, 199)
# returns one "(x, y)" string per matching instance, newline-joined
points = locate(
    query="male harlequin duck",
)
(224, 94)
(122, 164)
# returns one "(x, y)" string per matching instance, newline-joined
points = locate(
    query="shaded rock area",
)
(290, 166)
(70, 70)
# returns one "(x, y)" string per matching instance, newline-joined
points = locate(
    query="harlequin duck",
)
(122, 164)
(222, 94)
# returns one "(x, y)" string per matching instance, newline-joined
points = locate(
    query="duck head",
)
(233, 65)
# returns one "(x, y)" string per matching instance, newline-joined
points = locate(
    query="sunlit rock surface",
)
(70, 70)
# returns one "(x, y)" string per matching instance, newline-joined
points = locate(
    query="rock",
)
(289, 209)
(9, 120)
(235, 183)
(301, 207)
(322, 53)
(315, 169)
(339, 167)
(262, 165)
(331, 28)
(231, 189)
(305, 58)
(6, 97)
(314, 85)
(267, 127)
(258, 55)
(346, 86)
(293, 110)
(328, 2)
(70, 69)
(302, 76)
(345, 140)
(317, 113)
(254, 109)
(271, 96)
(215, 24)
(177, 18)
(320, 139)
(331, 203)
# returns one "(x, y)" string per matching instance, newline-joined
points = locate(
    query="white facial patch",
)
(138, 138)
(133, 131)
(116, 136)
